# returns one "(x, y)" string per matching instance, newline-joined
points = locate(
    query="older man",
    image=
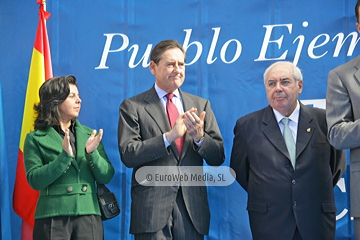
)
(161, 127)
(282, 158)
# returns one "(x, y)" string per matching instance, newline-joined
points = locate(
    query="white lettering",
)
(186, 45)
(267, 41)
(145, 58)
(341, 185)
(341, 40)
(237, 53)
(301, 39)
(109, 38)
(312, 46)
(209, 59)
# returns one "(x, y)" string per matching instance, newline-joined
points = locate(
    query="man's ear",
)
(358, 27)
(152, 67)
(300, 84)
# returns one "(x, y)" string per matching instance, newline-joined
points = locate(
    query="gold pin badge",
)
(308, 130)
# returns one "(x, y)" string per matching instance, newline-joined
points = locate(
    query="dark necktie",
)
(173, 113)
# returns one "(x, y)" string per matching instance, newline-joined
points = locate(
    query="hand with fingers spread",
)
(194, 124)
(93, 142)
(66, 143)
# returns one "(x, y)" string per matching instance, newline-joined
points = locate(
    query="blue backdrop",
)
(106, 45)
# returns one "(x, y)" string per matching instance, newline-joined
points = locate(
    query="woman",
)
(63, 159)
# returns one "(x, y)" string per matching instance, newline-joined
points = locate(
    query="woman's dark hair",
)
(52, 93)
(161, 47)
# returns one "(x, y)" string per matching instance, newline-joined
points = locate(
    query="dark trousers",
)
(357, 228)
(178, 227)
(297, 235)
(86, 227)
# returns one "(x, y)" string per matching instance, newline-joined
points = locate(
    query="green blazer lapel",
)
(82, 135)
(49, 139)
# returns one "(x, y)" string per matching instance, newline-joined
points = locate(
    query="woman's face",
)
(70, 108)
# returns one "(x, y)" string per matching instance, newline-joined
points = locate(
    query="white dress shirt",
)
(293, 124)
(178, 103)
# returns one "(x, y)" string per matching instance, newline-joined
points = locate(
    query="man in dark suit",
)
(146, 138)
(343, 119)
(289, 179)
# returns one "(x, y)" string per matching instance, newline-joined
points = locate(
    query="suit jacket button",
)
(295, 203)
(84, 188)
(293, 182)
(69, 189)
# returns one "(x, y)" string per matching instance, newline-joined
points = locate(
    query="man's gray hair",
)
(296, 71)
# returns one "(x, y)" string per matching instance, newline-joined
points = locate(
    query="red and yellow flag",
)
(25, 198)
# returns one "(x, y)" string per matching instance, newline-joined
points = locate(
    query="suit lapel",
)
(305, 130)
(187, 102)
(155, 109)
(357, 73)
(272, 131)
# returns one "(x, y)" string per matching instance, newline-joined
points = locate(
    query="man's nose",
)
(177, 68)
(278, 87)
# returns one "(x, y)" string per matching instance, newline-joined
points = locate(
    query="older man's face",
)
(281, 89)
(170, 71)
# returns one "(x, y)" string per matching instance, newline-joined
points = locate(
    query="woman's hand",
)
(93, 142)
(66, 143)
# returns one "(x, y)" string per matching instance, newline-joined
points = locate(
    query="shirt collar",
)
(60, 131)
(293, 117)
(161, 93)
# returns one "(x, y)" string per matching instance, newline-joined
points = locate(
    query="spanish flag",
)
(25, 198)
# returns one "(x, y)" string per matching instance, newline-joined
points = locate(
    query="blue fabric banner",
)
(5, 206)
(106, 45)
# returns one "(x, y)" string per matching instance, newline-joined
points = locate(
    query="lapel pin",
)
(308, 130)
